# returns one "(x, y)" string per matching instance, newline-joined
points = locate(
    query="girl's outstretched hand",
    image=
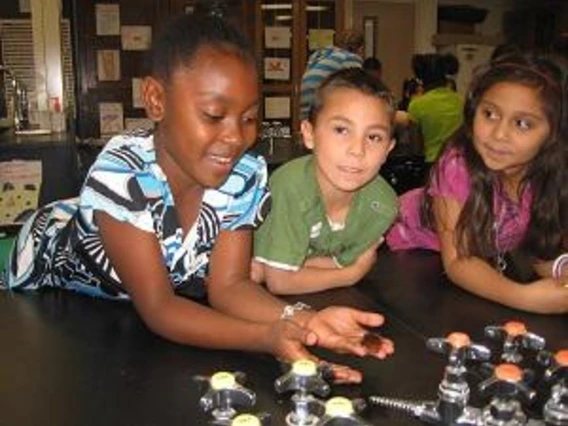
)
(288, 344)
(345, 330)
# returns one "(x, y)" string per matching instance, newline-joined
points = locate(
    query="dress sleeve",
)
(119, 185)
(283, 239)
(247, 189)
(451, 178)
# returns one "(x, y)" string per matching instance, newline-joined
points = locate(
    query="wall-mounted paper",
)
(277, 107)
(320, 38)
(138, 123)
(277, 68)
(136, 37)
(107, 18)
(108, 65)
(25, 6)
(111, 118)
(277, 37)
(137, 101)
(20, 184)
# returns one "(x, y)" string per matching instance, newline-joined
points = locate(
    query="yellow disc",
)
(245, 420)
(223, 380)
(304, 367)
(339, 407)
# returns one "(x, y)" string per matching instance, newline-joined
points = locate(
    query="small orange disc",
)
(458, 340)
(508, 373)
(515, 328)
(561, 357)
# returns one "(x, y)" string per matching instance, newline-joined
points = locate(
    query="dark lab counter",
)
(70, 360)
(58, 155)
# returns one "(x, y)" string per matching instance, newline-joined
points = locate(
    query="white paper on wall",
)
(277, 68)
(111, 118)
(20, 184)
(277, 107)
(138, 123)
(137, 101)
(108, 65)
(277, 37)
(107, 18)
(318, 38)
(136, 37)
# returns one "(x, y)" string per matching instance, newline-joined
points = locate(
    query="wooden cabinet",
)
(259, 18)
(286, 32)
(92, 91)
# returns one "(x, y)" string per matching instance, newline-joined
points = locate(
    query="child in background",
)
(411, 87)
(165, 218)
(331, 208)
(438, 111)
(347, 52)
(374, 66)
(500, 185)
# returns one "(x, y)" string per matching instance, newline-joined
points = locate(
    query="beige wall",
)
(406, 27)
(394, 40)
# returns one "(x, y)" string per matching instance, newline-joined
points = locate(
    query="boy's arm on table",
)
(479, 277)
(318, 274)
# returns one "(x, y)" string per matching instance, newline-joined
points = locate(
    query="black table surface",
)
(70, 360)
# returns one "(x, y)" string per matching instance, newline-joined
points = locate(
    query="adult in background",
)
(347, 52)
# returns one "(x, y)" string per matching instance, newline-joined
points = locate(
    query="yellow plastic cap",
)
(223, 380)
(339, 407)
(304, 367)
(246, 420)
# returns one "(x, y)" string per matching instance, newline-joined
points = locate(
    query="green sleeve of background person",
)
(284, 236)
(372, 213)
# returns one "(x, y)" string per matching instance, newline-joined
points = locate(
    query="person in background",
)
(500, 187)
(452, 68)
(330, 209)
(374, 67)
(505, 49)
(165, 218)
(347, 52)
(411, 87)
(438, 111)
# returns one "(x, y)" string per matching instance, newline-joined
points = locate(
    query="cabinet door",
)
(286, 34)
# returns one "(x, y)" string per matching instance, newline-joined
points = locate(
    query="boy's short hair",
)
(349, 39)
(356, 79)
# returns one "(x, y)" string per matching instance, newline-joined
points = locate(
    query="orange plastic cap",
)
(561, 357)
(515, 328)
(508, 373)
(458, 340)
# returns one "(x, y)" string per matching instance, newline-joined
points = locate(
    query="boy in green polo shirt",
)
(331, 208)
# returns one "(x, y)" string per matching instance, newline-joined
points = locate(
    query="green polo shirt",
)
(439, 113)
(297, 227)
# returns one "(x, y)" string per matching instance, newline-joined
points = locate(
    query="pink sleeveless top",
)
(453, 182)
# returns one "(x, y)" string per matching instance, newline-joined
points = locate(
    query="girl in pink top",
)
(500, 186)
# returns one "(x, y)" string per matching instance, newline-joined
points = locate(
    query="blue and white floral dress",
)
(60, 245)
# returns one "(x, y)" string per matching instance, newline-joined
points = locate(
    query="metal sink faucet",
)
(20, 100)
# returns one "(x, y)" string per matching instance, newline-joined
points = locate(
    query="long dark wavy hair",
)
(547, 175)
